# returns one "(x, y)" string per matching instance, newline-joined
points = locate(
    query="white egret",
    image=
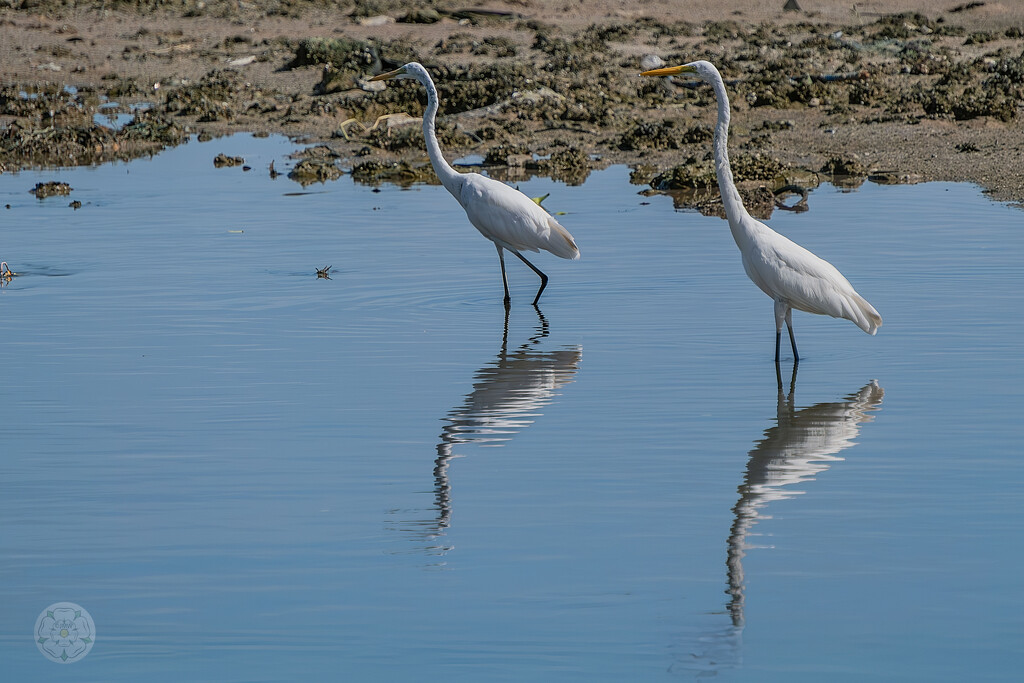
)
(502, 214)
(781, 268)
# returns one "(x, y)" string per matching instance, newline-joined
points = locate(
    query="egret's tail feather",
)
(560, 242)
(865, 315)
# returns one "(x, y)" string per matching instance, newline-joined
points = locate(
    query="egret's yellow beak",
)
(389, 75)
(670, 71)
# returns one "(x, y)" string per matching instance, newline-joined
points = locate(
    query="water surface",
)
(248, 473)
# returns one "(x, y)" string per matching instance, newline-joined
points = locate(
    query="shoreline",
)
(898, 90)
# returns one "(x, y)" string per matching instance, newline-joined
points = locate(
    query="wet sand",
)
(892, 91)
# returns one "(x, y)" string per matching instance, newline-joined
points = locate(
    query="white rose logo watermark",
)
(65, 632)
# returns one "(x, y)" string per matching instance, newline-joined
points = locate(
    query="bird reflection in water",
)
(803, 443)
(508, 395)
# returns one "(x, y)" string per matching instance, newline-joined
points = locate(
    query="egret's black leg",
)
(792, 342)
(543, 277)
(781, 315)
(504, 279)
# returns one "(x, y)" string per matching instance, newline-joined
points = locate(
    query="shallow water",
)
(248, 473)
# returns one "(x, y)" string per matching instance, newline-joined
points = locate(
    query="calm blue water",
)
(247, 473)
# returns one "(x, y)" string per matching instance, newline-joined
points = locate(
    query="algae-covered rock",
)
(212, 98)
(642, 174)
(757, 166)
(341, 53)
(421, 16)
(692, 173)
(664, 135)
(571, 165)
(844, 165)
(894, 178)
(508, 154)
(223, 160)
(397, 139)
(151, 126)
(309, 171)
(51, 189)
(376, 171)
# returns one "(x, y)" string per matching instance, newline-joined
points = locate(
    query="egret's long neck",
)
(445, 173)
(734, 209)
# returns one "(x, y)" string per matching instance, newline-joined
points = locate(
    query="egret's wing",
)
(810, 283)
(513, 220)
(781, 267)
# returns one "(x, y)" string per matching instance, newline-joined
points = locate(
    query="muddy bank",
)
(897, 92)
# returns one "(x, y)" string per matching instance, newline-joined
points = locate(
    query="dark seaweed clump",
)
(668, 134)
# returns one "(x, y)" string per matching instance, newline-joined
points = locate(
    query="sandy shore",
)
(898, 91)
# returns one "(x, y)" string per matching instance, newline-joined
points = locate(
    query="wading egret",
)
(502, 214)
(781, 268)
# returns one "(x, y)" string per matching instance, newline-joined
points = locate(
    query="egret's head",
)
(413, 70)
(701, 69)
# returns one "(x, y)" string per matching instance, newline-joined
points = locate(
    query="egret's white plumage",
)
(502, 214)
(781, 268)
